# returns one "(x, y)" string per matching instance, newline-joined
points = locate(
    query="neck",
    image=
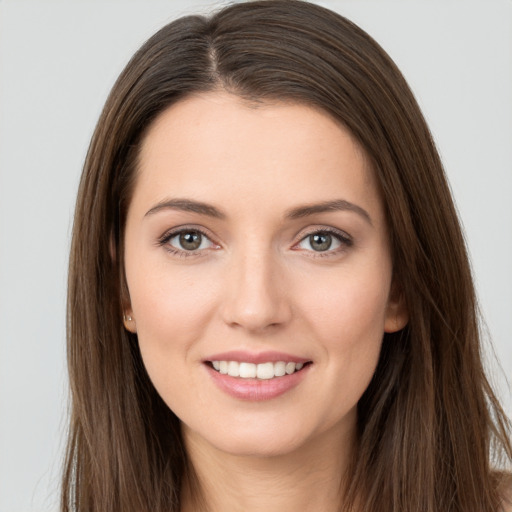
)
(307, 479)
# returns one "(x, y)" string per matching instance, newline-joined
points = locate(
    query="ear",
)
(129, 320)
(112, 247)
(397, 314)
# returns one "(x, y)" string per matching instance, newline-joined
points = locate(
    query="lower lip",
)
(257, 389)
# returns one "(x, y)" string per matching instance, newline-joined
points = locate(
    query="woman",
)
(270, 303)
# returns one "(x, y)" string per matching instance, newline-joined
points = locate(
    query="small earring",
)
(127, 318)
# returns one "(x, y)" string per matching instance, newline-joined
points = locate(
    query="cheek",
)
(349, 307)
(172, 310)
(169, 297)
(346, 315)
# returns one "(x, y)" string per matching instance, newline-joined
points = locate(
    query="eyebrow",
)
(328, 206)
(187, 205)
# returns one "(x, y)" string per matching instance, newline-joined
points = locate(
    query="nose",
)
(255, 297)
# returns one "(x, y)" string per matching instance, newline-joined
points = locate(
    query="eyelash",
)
(164, 240)
(344, 240)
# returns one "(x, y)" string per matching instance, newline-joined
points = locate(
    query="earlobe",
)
(128, 318)
(129, 321)
(397, 314)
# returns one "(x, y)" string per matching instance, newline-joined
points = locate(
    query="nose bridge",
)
(254, 296)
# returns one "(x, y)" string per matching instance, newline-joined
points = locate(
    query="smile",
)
(256, 381)
(262, 371)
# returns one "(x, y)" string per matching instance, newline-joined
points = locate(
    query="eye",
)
(324, 241)
(186, 241)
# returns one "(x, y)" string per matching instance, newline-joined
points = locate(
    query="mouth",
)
(261, 371)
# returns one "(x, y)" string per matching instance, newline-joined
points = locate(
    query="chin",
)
(254, 441)
(259, 449)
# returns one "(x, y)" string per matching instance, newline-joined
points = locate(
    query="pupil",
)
(320, 242)
(190, 241)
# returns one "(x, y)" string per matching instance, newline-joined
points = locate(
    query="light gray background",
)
(57, 63)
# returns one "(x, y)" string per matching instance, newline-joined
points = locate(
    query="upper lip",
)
(261, 357)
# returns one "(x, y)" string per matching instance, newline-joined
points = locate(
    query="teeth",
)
(223, 367)
(290, 368)
(233, 369)
(263, 371)
(280, 369)
(247, 371)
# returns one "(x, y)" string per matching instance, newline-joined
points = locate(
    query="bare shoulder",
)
(506, 492)
(507, 505)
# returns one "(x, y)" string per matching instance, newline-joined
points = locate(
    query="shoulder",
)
(506, 493)
(507, 505)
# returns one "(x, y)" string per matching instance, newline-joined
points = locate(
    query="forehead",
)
(208, 116)
(216, 143)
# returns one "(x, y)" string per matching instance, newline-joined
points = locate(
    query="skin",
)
(257, 283)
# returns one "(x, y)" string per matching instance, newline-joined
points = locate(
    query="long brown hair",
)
(431, 431)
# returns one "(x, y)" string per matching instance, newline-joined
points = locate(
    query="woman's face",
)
(256, 245)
